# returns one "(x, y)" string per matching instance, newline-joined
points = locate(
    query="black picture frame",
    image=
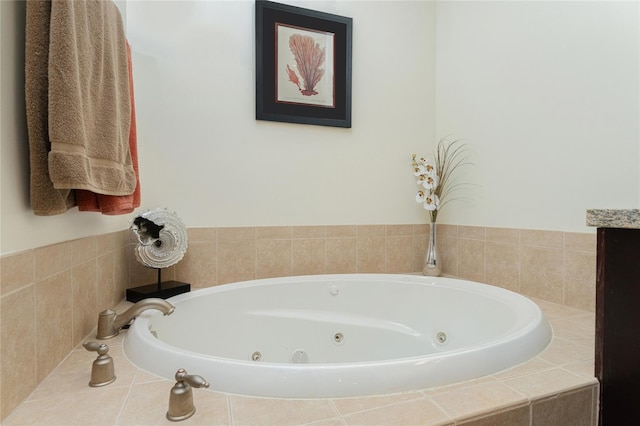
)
(282, 92)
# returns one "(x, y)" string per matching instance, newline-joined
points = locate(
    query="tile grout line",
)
(126, 399)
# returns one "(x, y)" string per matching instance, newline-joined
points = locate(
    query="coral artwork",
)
(293, 77)
(309, 57)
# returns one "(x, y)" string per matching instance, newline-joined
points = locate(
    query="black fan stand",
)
(162, 290)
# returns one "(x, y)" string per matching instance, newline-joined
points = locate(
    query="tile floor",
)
(556, 387)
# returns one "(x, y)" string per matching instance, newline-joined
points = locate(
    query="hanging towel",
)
(117, 204)
(89, 105)
(45, 199)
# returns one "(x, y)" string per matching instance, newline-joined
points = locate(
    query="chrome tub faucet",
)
(110, 323)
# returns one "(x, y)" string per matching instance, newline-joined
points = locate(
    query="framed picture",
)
(303, 65)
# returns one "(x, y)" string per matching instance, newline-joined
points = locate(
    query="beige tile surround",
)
(62, 287)
(50, 299)
(556, 388)
(551, 265)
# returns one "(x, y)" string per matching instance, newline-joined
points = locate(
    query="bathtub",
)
(339, 335)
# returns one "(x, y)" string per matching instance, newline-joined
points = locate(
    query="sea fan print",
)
(293, 77)
(309, 58)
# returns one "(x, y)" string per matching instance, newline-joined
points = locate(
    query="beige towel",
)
(89, 105)
(45, 199)
(116, 204)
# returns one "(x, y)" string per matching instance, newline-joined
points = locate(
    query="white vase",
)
(432, 265)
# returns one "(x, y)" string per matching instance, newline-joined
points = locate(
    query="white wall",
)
(547, 93)
(19, 227)
(204, 155)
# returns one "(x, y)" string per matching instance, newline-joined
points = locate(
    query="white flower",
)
(431, 202)
(428, 179)
(429, 182)
(434, 179)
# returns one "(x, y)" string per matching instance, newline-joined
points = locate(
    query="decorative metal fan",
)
(163, 241)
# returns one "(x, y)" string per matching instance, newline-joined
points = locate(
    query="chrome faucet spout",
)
(109, 323)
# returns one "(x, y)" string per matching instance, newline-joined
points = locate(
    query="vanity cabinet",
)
(617, 349)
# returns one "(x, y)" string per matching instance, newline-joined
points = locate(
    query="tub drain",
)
(441, 338)
(256, 356)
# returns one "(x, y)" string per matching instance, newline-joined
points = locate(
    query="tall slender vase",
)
(432, 266)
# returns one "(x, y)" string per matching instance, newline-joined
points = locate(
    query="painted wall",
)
(19, 228)
(203, 154)
(548, 94)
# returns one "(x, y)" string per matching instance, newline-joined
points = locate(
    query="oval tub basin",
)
(339, 335)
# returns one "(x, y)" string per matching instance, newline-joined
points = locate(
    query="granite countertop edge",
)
(614, 218)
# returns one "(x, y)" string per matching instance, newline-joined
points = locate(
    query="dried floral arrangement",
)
(437, 180)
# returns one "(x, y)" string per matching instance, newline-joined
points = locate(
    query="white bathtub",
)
(339, 335)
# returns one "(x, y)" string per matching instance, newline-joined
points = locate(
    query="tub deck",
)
(558, 383)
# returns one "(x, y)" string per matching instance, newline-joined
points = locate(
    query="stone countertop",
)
(609, 218)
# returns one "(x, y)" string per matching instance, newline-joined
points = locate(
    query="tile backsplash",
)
(552, 265)
(51, 296)
(50, 299)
